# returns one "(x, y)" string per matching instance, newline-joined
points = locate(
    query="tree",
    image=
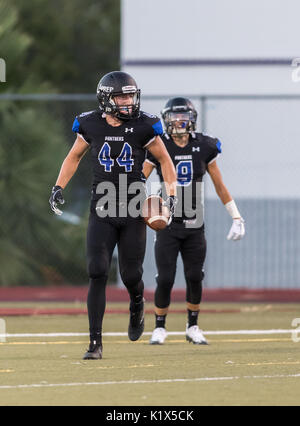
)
(58, 46)
(35, 247)
(73, 42)
(14, 46)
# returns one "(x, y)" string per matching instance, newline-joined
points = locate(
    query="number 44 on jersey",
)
(124, 159)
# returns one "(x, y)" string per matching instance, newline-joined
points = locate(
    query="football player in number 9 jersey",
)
(193, 154)
(117, 135)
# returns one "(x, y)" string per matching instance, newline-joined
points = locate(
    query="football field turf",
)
(253, 358)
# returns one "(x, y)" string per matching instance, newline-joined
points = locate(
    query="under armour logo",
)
(129, 129)
(196, 148)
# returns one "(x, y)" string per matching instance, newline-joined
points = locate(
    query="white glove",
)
(237, 230)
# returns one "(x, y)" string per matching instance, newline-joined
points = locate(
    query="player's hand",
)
(171, 202)
(237, 230)
(55, 198)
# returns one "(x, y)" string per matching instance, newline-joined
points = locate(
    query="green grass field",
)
(258, 368)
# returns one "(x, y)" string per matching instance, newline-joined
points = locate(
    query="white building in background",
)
(216, 52)
(211, 47)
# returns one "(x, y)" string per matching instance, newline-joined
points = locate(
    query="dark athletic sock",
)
(192, 318)
(160, 321)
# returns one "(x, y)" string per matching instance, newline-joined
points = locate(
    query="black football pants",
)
(191, 244)
(103, 234)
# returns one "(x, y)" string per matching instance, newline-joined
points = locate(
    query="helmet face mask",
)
(129, 107)
(112, 88)
(179, 123)
(179, 116)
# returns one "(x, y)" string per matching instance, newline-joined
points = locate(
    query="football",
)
(155, 214)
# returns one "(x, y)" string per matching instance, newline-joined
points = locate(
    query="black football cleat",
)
(94, 351)
(136, 323)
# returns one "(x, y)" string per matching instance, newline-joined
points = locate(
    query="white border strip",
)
(150, 162)
(170, 333)
(134, 382)
(80, 135)
(148, 143)
(214, 159)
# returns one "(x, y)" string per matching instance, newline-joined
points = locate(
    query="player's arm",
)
(219, 185)
(71, 162)
(237, 230)
(147, 168)
(68, 169)
(159, 151)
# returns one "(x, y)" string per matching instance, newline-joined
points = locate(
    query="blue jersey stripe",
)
(158, 129)
(76, 126)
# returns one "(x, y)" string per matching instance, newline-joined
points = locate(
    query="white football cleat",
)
(158, 336)
(195, 335)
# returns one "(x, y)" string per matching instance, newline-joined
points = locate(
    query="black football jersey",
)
(117, 152)
(191, 164)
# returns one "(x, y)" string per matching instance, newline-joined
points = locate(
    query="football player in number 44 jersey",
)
(117, 135)
(193, 154)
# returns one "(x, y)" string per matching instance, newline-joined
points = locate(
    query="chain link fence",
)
(259, 164)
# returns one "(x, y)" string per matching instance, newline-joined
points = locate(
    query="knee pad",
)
(97, 270)
(194, 277)
(131, 276)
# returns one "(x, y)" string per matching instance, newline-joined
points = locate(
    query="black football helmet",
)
(179, 110)
(118, 83)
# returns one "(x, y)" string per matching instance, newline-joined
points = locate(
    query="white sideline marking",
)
(170, 333)
(2, 330)
(133, 382)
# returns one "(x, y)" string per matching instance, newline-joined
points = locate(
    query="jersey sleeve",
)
(154, 128)
(158, 128)
(213, 150)
(78, 129)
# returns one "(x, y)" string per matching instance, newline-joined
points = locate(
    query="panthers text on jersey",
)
(190, 163)
(118, 153)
